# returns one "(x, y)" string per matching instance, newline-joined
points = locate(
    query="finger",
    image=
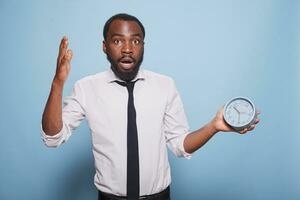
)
(222, 109)
(69, 55)
(258, 111)
(63, 47)
(67, 58)
(243, 131)
(251, 128)
(257, 121)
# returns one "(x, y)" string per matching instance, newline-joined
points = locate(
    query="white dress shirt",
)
(161, 122)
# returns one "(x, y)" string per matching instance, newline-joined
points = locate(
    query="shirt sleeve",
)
(175, 123)
(72, 114)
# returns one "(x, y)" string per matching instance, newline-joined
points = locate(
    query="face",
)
(124, 47)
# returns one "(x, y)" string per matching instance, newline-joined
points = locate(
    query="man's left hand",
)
(220, 125)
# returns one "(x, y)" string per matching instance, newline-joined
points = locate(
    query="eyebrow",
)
(119, 34)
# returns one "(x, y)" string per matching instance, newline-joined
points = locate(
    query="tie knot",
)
(128, 85)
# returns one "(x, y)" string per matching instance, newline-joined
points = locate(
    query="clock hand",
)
(236, 109)
(239, 113)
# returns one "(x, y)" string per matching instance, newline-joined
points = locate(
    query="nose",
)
(127, 48)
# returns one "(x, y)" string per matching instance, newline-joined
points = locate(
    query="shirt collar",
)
(112, 77)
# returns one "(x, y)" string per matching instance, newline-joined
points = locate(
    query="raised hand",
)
(64, 57)
(52, 116)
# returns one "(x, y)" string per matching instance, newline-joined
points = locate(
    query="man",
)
(133, 115)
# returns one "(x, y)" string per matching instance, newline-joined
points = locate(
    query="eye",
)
(136, 42)
(117, 41)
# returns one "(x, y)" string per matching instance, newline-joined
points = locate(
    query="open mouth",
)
(126, 62)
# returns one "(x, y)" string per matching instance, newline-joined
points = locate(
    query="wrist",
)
(212, 126)
(57, 82)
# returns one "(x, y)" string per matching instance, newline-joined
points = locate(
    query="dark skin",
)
(124, 44)
(52, 116)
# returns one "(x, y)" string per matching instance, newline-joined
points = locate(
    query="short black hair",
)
(125, 17)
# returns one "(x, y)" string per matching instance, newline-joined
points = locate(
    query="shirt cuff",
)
(181, 142)
(53, 140)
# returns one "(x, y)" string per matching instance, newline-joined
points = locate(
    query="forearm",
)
(198, 138)
(52, 116)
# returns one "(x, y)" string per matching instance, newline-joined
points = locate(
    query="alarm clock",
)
(239, 113)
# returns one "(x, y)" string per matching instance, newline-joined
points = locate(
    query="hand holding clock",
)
(220, 125)
(239, 114)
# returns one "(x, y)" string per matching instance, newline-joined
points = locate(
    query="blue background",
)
(214, 50)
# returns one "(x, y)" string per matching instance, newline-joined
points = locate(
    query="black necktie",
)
(133, 175)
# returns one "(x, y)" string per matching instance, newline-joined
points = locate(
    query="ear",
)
(104, 46)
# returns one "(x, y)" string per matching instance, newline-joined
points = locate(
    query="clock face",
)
(239, 112)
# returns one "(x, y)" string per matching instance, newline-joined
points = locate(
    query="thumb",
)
(69, 54)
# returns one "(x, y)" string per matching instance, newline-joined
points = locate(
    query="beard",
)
(125, 76)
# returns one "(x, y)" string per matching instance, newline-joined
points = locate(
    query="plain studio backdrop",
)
(214, 50)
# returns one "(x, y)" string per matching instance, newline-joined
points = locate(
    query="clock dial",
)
(239, 112)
